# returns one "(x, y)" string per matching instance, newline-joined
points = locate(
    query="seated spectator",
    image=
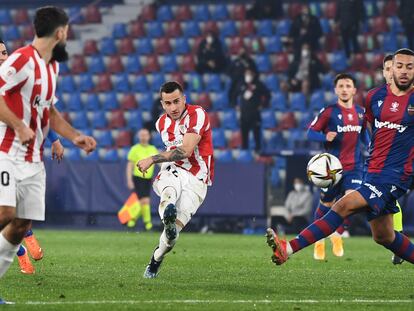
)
(304, 72)
(210, 55)
(265, 9)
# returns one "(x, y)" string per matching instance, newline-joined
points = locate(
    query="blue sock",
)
(21, 251)
(402, 247)
(321, 211)
(28, 233)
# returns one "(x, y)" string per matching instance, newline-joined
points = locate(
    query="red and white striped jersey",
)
(194, 120)
(28, 86)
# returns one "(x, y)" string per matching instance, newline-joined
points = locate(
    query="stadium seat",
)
(191, 29)
(325, 25)
(281, 62)
(327, 81)
(204, 101)
(116, 119)
(123, 139)
(21, 17)
(115, 64)
(223, 156)
(194, 82)
(72, 154)
(219, 139)
(265, 28)
(379, 25)
(278, 101)
(274, 177)
(287, 121)
(136, 30)
(119, 31)
(389, 43)
(229, 120)
(220, 100)
(201, 13)
(181, 46)
(97, 65)
(92, 14)
(272, 82)
(339, 61)
(148, 13)
(317, 100)
(140, 84)
(104, 83)
(27, 32)
(238, 12)
(212, 82)
(183, 13)
(330, 10)
(164, 13)
(176, 76)
(75, 102)
(90, 47)
(236, 44)
(263, 63)
(273, 44)
(268, 119)
(210, 26)
(154, 29)
(145, 101)
(156, 81)
(126, 46)
(67, 84)
(371, 8)
(169, 63)
(235, 140)
(359, 62)
(108, 46)
(220, 12)
(376, 62)
(132, 64)
(214, 119)
(86, 83)
(110, 101)
(108, 155)
(283, 27)
(162, 46)
(5, 17)
(121, 83)
(134, 119)
(78, 64)
(10, 33)
(128, 102)
(151, 64)
(92, 102)
(156, 140)
(144, 46)
(246, 28)
(297, 101)
(228, 29)
(98, 120)
(79, 120)
(294, 10)
(173, 30)
(244, 156)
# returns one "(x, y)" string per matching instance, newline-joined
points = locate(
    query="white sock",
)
(165, 245)
(7, 253)
(289, 249)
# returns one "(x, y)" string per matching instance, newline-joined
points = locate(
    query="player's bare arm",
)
(184, 151)
(25, 133)
(330, 136)
(63, 128)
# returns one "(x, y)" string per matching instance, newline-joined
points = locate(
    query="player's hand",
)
(86, 143)
(144, 165)
(330, 136)
(25, 134)
(57, 150)
(130, 184)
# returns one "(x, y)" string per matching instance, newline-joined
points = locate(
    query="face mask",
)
(305, 53)
(298, 187)
(209, 39)
(59, 53)
(248, 78)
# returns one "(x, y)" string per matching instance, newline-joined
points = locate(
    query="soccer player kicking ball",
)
(187, 168)
(341, 127)
(390, 112)
(27, 98)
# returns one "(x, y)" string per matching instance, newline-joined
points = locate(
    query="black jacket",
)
(350, 13)
(250, 108)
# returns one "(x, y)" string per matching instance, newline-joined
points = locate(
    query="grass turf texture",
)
(103, 271)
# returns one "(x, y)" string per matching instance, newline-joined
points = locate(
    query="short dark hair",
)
(387, 58)
(170, 86)
(404, 51)
(2, 42)
(344, 75)
(47, 19)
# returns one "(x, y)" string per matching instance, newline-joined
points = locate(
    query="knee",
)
(383, 238)
(7, 214)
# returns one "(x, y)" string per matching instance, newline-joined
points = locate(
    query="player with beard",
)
(390, 112)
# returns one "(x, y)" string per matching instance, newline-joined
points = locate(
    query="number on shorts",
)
(5, 178)
(174, 172)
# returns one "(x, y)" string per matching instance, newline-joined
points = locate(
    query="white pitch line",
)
(301, 301)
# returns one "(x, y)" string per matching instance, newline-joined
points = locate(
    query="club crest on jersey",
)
(182, 129)
(410, 110)
(360, 115)
(380, 102)
(350, 117)
(339, 116)
(394, 107)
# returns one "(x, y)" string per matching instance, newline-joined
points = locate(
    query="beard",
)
(59, 53)
(403, 87)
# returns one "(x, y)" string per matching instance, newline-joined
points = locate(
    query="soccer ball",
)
(324, 170)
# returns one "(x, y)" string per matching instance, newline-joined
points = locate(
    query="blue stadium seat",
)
(219, 139)
(97, 64)
(220, 100)
(144, 46)
(108, 46)
(154, 29)
(268, 119)
(390, 42)
(224, 156)
(79, 120)
(10, 33)
(283, 27)
(339, 61)
(191, 29)
(92, 102)
(145, 101)
(265, 28)
(327, 82)
(67, 84)
(64, 68)
(181, 46)
(275, 143)
(98, 120)
(228, 29)
(104, 138)
(229, 120)
(140, 84)
(164, 13)
(134, 119)
(245, 156)
(326, 27)
(278, 101)
(110, 101)
(72, 154)
(272, 82)
(295, 135)
(371, 8)
(315, 9)
(86, 83)
(75, 102)
(132, 64)
(317, 100)
(219, 12)
(201, 13)
(91, 157)
(212, 82)
(194, 83)
(5, 17)
(157, 141)
(169, 64)
(108, 155)
(263, 63)
(273, 44)
(119, 31)
(121, 83)
(157, 80)
(275, 177)
(75, 15)
(396, 26)
(298, 101)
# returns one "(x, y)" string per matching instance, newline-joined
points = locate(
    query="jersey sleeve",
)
(320, 123)
(14, 71)
(369, 115)
(56, 69)
(132, 154)
(199, 122)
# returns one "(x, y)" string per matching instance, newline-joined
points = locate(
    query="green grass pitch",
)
(88, 270)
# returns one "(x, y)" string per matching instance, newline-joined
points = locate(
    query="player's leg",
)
(321, 210)
(321, 228)
(146, 212)
(398, 226)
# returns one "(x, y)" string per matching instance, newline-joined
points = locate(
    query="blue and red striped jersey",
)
(349, 124)
(392, 145)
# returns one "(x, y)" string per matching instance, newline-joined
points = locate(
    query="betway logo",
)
(389, 125)
(374, 190)
(174, 143)
(348, 128)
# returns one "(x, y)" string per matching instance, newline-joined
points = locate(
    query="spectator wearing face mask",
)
(304, 72)
(253, 95)
(210, 55)
(236, 73)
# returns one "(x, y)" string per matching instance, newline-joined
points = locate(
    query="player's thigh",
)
(168, 177)
(7, 185)
(351, 203)
(31, 193)
(382, 229)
